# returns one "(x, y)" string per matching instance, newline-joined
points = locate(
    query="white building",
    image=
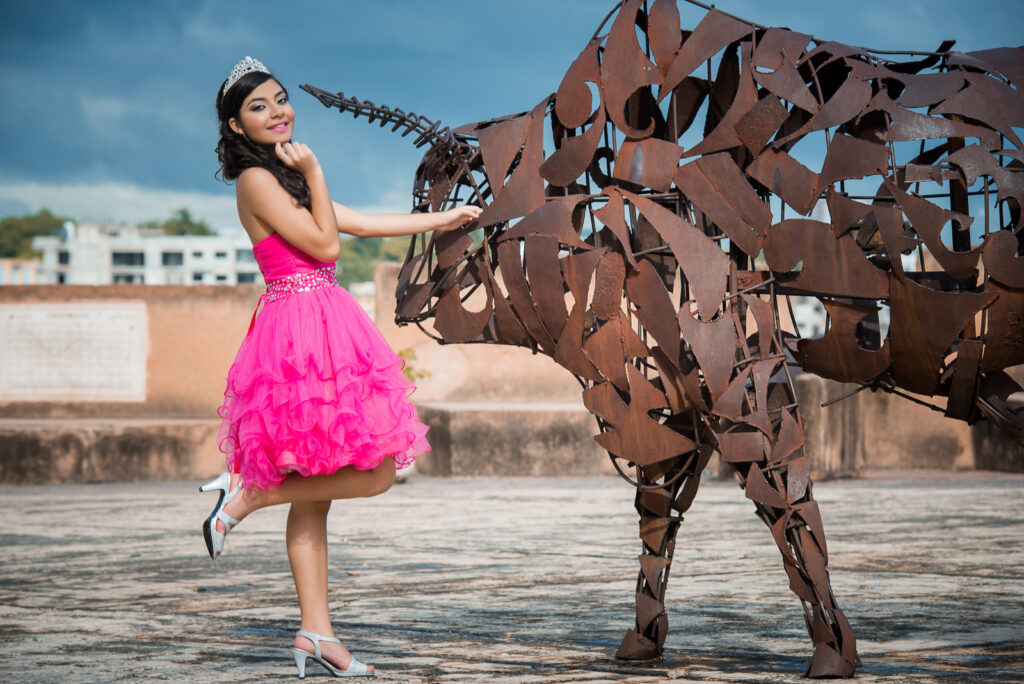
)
(92, 254)
(812, 318)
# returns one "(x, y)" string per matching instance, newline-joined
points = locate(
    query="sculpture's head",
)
(474, 164)
(448, 175)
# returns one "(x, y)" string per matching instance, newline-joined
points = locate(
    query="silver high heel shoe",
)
(214, 539)
(354, 669)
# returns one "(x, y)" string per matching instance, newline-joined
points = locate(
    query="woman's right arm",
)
(362, 225)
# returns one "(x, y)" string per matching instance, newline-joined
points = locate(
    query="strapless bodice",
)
(278, 258)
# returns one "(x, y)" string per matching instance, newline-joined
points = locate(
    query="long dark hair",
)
(237, 153)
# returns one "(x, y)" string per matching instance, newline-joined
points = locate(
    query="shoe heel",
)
(300, 661)
(222, 481)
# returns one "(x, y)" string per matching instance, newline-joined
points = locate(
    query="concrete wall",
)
(470, 372)
(107, 450)
(511, 438)
(878, 431)
(193, 334)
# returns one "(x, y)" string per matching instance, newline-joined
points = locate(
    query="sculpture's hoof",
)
(826, 662)
(636, 646)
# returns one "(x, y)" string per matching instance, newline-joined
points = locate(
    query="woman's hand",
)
(458, 217)
(297, 156)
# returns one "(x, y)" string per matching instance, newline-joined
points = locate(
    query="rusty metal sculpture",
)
(677, 258)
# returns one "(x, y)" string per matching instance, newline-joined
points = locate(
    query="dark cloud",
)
(123, 92)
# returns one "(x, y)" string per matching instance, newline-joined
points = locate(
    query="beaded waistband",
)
(306, 281)
(301, 282)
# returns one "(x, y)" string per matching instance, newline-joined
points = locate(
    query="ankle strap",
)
(234, 492)
(316, 639)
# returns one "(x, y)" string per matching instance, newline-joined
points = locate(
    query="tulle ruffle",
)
(316, 387)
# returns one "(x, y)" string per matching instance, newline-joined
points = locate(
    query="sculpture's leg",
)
(779, 485)
(660, 507)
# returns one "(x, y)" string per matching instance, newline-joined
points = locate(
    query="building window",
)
(15, 272)
(245, 256)
(63, 258)
(61, 278)
(124, 278)
(222, 279)
(246, 278)
(221, 255)
(197, 277)
(173, 258)
(197, 255)
(128, 259)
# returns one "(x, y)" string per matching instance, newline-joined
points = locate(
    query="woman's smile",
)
(278, 127)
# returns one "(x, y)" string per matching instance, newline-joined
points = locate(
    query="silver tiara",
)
(241, 69)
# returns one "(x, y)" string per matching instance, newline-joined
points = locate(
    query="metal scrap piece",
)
(850, 157)
(924, 324)
(552, 219)
(714, 345)
(573, 101)
(787, 178)
(838, 355)
(715, 31)
(625, 69)
(524, 190)
(654, 308)
(650, 162)
(928, 220)
(785, 81)
(703, 263)
(1004, 347)
(759, 124)
(735, 92)
(831, 265)
(717, 186)
(1001, 258)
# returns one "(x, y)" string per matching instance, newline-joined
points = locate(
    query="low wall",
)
(506, 438)
(192, 334)
(111, 450)
(492, 409)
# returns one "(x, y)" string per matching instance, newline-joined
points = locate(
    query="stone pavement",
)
(511, 580)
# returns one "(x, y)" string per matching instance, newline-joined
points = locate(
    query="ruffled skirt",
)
(315, 387)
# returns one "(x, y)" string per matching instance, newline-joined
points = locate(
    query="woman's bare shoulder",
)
(259, 191)
(255, 177)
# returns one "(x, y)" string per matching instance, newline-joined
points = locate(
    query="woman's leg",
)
(346, 483)
(306, 539)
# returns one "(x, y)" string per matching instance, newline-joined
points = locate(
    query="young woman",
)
(316, 406)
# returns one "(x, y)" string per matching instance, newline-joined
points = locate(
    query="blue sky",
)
(108, 105)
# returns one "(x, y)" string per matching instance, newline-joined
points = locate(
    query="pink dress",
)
(314, 386)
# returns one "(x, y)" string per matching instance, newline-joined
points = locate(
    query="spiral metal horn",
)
(427, 132)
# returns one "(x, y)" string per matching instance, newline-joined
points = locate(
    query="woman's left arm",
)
(362, 225)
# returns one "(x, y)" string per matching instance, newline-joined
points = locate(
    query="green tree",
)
(182, 223)
(16, 233)
(358, 256)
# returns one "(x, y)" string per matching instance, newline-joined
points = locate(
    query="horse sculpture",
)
(677, 256)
